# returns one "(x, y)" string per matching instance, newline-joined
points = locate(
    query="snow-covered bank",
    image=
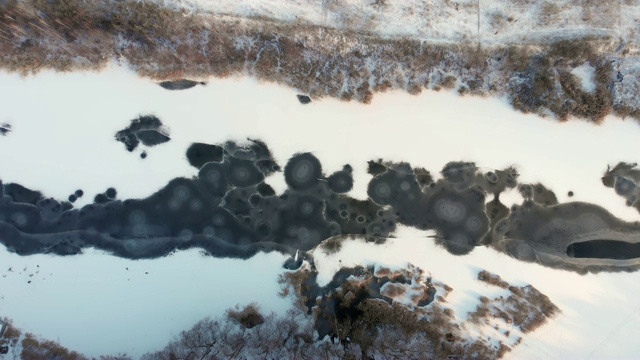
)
(99, 304)
(488, 21)
(599, 312)
(351, 49)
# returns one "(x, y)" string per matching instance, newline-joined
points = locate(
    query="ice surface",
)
(64, 126)
(99, 304)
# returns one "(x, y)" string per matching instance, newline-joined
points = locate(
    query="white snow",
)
(512, 197)
(63, 139)
(487, 21)
(586, 73)
(64, 127)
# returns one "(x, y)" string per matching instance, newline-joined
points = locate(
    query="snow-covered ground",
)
(62, 139)
(599, 312)
(489, 21)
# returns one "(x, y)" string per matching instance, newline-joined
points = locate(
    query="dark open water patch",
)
(146, 129)
(304, 99)
(199, 154)
(182, 84)
(604, 249)
(5, 129)
(230, 211)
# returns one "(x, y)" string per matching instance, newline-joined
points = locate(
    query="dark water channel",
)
(604, 249)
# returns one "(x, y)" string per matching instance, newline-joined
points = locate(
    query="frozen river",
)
(62, 139)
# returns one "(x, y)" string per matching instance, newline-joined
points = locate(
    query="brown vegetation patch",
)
(492, 279)
(382, 272)
(526, 307)
(393, 290)
(301, 282)
(36, 349)
(249, 316)
(30, 347)
(585, 105)
(278, 337)
(332, 245)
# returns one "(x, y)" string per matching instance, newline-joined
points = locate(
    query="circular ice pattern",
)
(302, 171)
(382, 193)
(174, 204)
(185, 235)
(450, 211)
(209, 232)
(195, 205)
(306, 208)
(474, 224)
(491, 177)
(137, 217)
(219, 220)
(19, 219)
(181, 193)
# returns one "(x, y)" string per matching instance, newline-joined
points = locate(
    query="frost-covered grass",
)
(62, 138)
(598, 311)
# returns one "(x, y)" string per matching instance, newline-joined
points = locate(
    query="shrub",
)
(36, 349)
(249, 316)
(526, 307)
(332, 245)
(164, 43)
(492, 279)
(301, 282)
(449, 82)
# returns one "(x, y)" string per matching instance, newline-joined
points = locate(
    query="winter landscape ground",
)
(339, 217)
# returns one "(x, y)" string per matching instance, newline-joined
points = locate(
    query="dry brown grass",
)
(37, 349)
(395, 290)
(492, 279)
(11, 332)
(384, 329)
(11, 336)
(31, 347)
(382, 272)
(552, 85)
(526, 307)
(248, 316)
(163, 43)
(300, 282)
(332, 245)
(594, 107)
